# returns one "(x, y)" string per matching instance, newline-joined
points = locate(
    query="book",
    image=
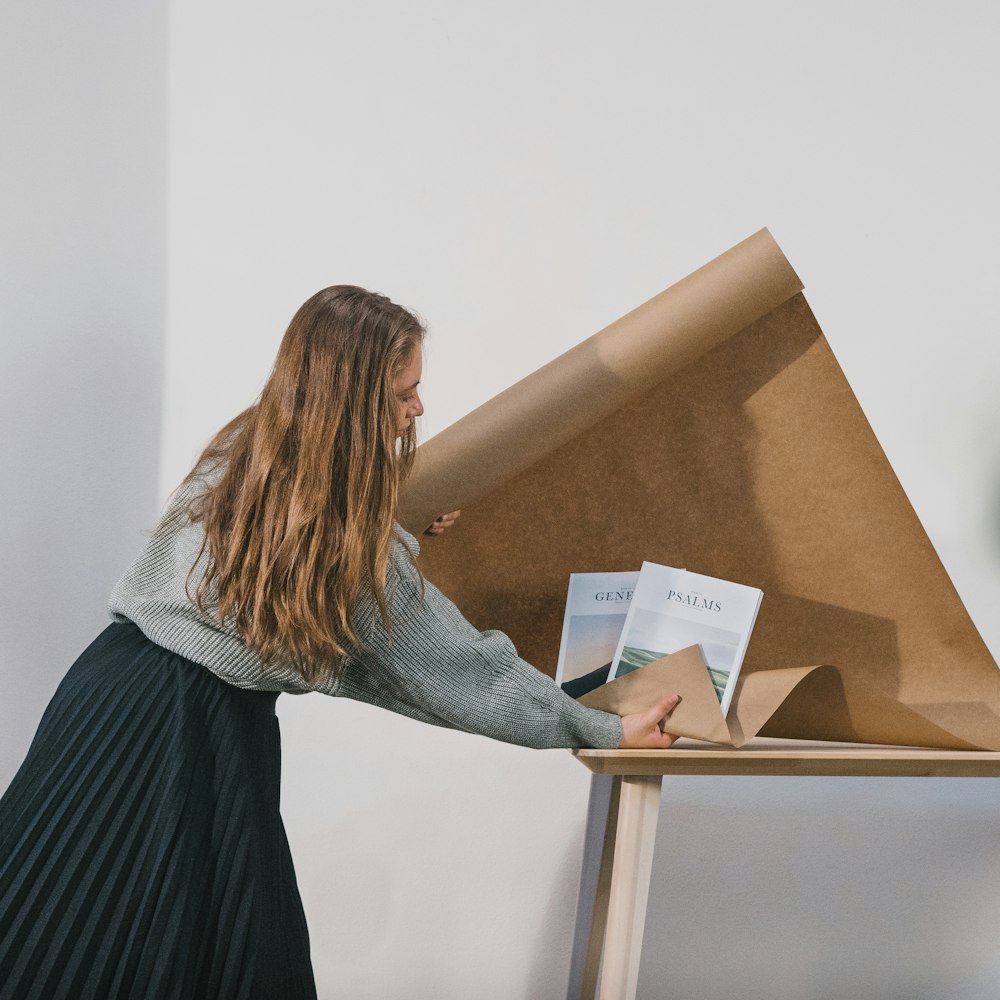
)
(596, 608)
(675, 608)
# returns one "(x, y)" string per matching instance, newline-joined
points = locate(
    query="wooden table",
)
(621, 830)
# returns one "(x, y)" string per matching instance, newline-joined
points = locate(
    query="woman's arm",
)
(435, 662)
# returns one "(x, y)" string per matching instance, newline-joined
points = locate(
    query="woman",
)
(142, 854)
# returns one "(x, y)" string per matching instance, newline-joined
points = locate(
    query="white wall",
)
(521, 174)
(82, 298)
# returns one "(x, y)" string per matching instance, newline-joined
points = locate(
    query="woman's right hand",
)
(641, 730)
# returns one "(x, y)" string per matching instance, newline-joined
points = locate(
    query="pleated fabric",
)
(142, 853)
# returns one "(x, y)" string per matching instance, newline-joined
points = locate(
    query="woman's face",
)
(407, 397)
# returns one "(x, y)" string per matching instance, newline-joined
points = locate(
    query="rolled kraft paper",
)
(538, 414)
(752, 462)
(810, 703)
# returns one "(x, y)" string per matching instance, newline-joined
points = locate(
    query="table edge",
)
(832, 761)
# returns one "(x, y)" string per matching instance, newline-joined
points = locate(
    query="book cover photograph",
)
(672, 609)
(596, 607)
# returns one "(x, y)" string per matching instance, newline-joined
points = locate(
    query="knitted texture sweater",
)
(435, 666)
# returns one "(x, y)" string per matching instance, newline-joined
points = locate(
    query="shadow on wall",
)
(817, 889)
(994, 533)
(80, 407)
(395, 903)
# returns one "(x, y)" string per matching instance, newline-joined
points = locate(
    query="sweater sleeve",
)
(436, 666)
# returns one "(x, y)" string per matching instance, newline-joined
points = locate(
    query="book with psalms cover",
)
(672, 609)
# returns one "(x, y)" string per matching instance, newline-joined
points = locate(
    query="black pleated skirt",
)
(142, 854)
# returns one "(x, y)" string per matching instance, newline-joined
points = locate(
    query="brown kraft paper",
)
(712, 428)
(779, 702)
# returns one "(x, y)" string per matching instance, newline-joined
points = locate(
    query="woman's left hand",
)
(444, 521)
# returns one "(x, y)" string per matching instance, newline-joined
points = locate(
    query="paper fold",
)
(809, 703)
(595, 379)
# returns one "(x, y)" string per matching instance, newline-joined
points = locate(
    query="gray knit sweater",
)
(436, 666)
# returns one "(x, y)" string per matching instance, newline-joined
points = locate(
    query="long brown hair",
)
(301, 519)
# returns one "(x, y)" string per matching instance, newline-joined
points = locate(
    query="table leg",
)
(638, 811)
(595, 883)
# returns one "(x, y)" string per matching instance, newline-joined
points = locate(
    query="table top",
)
(795, 757)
